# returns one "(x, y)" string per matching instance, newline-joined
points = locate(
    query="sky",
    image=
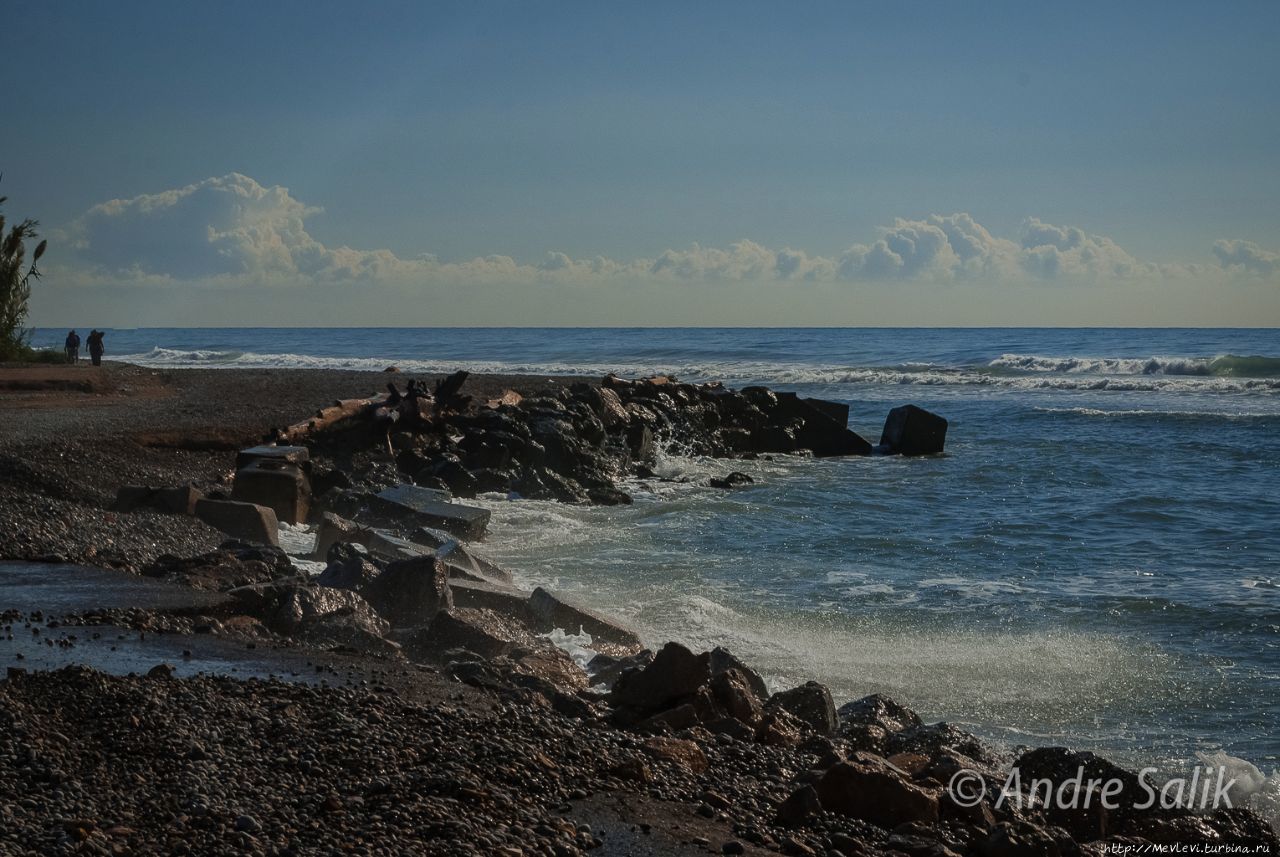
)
(743, 163)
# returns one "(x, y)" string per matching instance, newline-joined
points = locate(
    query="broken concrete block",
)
(282, 486)
(246, 521)
(426, 507)
(172, 501)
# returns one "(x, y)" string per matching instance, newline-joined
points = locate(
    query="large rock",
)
(410, 592)
(734, 694)
(910, 430)
(877, 710)
(481, 632)
(247, 521)
(506, 600)
(721, 659)
(867, 788)
(172, 501)
(811, 704)
(298, 606)
(431, 508)
(674, 674)
(548, 612)
(818, 431)
(349, 567)
(277, 484)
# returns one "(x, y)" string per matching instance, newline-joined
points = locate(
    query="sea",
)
(1094, 562)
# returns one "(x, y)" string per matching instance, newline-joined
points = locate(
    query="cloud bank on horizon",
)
(235, 231)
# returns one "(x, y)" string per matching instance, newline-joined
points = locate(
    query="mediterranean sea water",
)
(1095, 561)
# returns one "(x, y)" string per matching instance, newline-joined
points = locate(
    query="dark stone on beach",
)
(456, 628)
(329, 617)
(877, 710)
(548, 611)
(937, 740)
(732, 480)
(410, 592)
(734, 694)
(810, 703)
(1059, 764)
(867, 788)
(799, 807)
(721, 659)
(605, 669)
(674, 673)
(172, 501)
(1025, 839)
(349, 567)
(247, 521)
(910, 430)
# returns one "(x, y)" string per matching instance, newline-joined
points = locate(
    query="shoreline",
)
(74, 447)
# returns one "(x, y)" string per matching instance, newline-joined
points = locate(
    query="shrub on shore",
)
(15, 286)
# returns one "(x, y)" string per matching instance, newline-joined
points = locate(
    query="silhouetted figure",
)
(73, 347)
(95, 346)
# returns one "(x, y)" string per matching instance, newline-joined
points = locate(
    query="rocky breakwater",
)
(571, 444)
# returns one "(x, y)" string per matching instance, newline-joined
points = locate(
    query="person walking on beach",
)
(73, 347)
(95, 346)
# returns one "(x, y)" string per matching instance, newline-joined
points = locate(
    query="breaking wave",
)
(1225, 366)
(1226, 374)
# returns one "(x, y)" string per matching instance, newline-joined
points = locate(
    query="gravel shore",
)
(460, 751)
(73, 435)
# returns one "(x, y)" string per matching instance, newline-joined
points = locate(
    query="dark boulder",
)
(910, 430)
(674, 674)
(866, 787)
(349, 567)
(721, 659)
(410, 592)
(878, 710)
(732, 480)
(247, 521)
(810, 703)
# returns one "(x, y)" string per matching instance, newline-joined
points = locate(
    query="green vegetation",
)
(15, 288)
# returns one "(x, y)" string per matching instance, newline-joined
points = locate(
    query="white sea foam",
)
(1106, 365)
(1252, 787)
(1151, 412)
(1025, 372)
(577, 646)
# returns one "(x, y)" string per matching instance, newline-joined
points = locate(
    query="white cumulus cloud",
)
(232, 229)
(1246, 256)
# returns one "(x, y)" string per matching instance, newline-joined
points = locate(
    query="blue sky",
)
(615, 133)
